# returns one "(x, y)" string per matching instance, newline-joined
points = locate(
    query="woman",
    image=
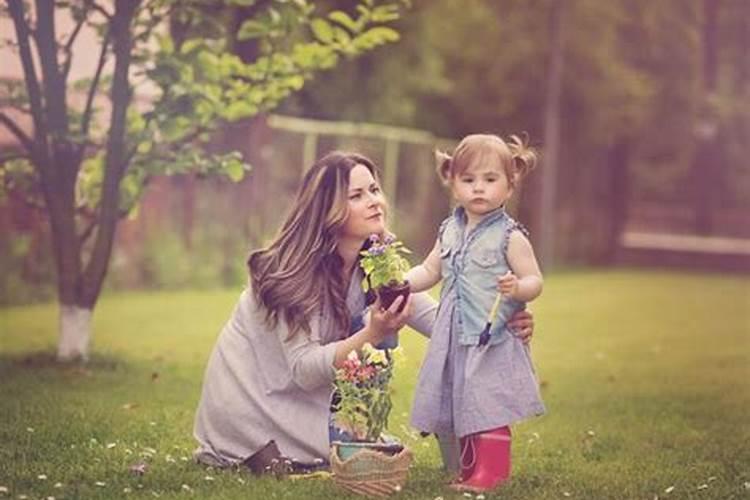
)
(271, 372)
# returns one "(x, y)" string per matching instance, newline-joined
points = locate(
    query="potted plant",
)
(369, 463)
(385, 267)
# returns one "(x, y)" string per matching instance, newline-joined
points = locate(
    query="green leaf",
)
(344, 20)
(145, 147)
(166, 44)
(238, 110)
(295, 82)
(342, 36)
(381, 34)
(322, 30)
(252, 29)
(385, 13)
(235, 171)
(190, 45)
(241, 3)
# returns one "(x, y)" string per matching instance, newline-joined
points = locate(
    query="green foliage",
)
(196, 84)
(26, 270)
(166, 261)
(383, 262)
(19, 175)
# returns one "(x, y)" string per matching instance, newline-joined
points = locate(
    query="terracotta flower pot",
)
(389, 292)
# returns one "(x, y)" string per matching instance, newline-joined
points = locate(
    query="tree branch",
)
(29, 72)
(12, 155)
(88, 109)
(52, 78)
(101, 10)
(93, 223)
(15, 106)
(24, 139)
(67, 48)
(114, 168)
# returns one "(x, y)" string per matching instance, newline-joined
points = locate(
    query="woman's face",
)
(366, 205)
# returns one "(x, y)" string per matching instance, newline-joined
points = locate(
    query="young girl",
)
(470, 388)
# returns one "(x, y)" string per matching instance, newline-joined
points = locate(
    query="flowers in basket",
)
(371, 464)
(385, 266)
(364, 396)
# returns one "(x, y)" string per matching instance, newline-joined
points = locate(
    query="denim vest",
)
(471, 264)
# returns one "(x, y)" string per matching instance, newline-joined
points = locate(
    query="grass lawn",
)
(646, 377)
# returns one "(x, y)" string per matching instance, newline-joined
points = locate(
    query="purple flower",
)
(376, 250)
(388, 239)
(374, 238)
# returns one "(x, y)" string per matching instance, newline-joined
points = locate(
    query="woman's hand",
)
(384, 322)
(522, 325)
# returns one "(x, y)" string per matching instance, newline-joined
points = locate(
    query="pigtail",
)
(443, 166)
(524, 157)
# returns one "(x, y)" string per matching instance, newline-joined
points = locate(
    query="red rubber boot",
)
(492, 464)
(468, 460)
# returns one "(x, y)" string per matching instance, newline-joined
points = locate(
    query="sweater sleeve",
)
(310, 361)
(424, 309)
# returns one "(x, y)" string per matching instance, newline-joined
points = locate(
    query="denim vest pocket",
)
(486, 258)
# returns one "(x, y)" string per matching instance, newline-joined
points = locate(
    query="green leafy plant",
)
(383, 262)
(363, 387)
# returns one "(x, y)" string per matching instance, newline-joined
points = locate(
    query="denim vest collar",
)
(459, 214)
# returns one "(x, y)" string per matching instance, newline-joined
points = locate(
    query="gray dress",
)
(463, 389)
(261, 385)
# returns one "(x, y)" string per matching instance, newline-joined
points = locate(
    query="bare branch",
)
(15, 106)
(102, 11)
(120, 95)
(24, 139)
(88, 110)
(86, 234)
(52, 79)
(13, 155)
(32, 82)
(93, 222)
(67, 48)
(154, 21)
(71, 40)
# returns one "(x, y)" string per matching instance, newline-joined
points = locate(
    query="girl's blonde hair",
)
(515, 157)
(300, 271)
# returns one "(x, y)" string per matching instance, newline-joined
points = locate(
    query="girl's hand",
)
(522, 325)
(507, 284)
(387, 321)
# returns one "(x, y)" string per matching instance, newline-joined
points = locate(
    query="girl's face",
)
(481, 188)
(366, 205)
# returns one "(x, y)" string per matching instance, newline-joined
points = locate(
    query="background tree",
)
(168, 90)
(631, 94)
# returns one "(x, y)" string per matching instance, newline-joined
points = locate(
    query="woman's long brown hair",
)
(300, 272)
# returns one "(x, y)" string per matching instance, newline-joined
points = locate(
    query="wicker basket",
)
(371, 472)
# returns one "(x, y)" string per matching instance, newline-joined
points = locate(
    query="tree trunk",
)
(548, 210)
(617, 195)
(706, 167)
(75, 333)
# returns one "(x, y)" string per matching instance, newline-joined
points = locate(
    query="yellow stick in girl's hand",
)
(485, 336)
